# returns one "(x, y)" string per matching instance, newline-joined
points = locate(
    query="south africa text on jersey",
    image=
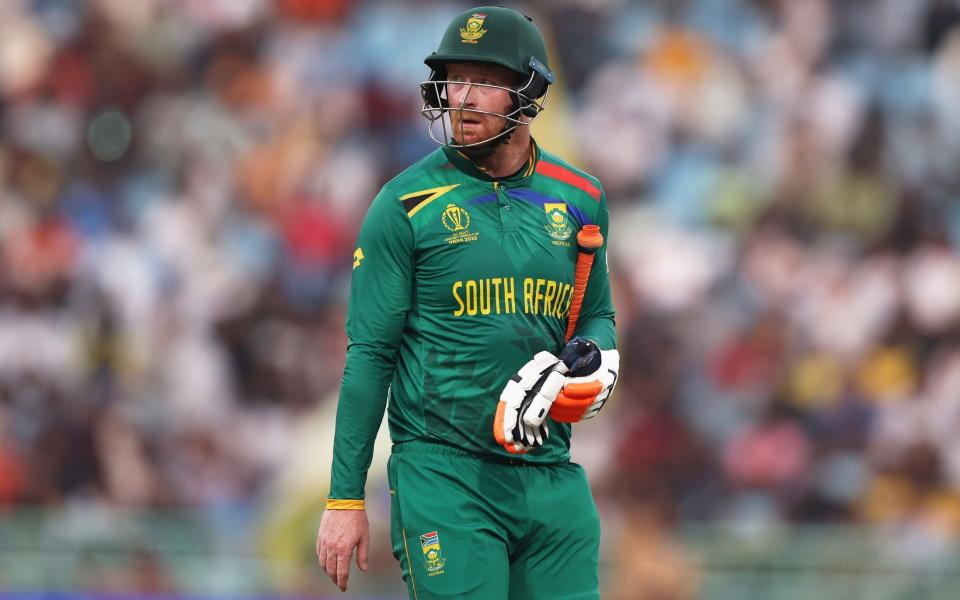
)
(498, 295)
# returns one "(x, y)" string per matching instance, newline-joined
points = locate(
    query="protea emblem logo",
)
(474, 29)
(455, 218)
(558, 222)
(432, 554)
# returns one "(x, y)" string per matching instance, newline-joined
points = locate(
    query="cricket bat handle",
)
(589, 239)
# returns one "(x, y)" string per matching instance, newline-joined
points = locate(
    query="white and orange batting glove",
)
(589, 382)
(532, 389)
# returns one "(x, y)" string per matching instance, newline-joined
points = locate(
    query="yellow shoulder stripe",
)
(413, 202)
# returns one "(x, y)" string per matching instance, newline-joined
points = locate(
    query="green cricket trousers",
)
(491, 529)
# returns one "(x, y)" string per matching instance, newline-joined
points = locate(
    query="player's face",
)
(472, 127)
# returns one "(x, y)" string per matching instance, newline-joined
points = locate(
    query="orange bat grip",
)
(589, 239)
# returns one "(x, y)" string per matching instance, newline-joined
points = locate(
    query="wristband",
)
(337, 504)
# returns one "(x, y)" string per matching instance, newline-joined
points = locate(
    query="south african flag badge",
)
(433, 558)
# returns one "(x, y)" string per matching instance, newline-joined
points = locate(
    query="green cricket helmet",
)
(492, 35)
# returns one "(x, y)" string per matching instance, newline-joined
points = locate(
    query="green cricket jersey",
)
(458, 280)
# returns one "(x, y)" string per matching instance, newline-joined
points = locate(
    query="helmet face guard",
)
(437, 110)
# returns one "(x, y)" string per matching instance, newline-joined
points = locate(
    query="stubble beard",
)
(487, 128)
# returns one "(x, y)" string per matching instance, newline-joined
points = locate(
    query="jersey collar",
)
(464, 164)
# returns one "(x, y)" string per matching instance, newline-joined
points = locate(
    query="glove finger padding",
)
(505, 423)
(499, 424)
(520, 394)
(574, 400)
(583, 397)
(534, 408)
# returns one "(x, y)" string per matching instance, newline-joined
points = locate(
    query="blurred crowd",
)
(181, 182)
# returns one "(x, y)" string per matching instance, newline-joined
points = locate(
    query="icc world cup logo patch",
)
(455, 218)
(457, 221)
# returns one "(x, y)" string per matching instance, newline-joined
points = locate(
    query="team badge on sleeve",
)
(357, 257)
(432, 557)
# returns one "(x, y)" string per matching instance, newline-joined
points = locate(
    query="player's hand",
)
(340, 532)
(587, 388)
(530, 391)
(579, 355)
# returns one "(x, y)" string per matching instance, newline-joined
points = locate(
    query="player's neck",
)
(509, 157)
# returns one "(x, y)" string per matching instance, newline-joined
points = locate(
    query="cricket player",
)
(463, 279)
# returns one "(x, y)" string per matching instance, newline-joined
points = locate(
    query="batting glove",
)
(588, 385)
(530, 392)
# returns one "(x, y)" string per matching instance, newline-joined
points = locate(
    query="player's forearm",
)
(597, 316)
(363, 399)
(599, 328)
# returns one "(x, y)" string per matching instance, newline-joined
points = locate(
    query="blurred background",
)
(181, 183)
